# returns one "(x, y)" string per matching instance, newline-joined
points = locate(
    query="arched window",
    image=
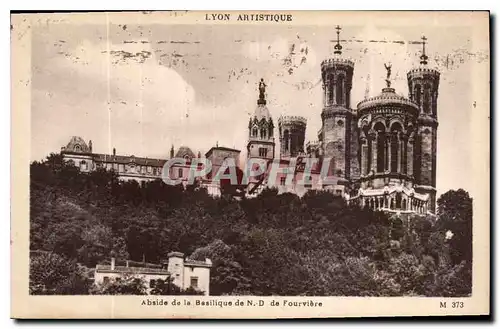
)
(380, 129)
(394, 146)
(332, 167)
(394, 152)
(83, 165)
(380, 151)
(293, 142)
(369, 157)
(77, 148)
(263, 133)
(426, 103)
(340, 90)
(398, 200)
(418, 94)
(330, 90)
(254, 132)
(286, 137)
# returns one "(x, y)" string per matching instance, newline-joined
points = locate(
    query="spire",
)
(423, 57)
(172, 151)
(262, 93)
(338, 47)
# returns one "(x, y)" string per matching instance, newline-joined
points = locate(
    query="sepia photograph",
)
(208, 158)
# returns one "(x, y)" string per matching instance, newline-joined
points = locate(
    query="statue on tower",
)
(262, 88)
(262, 92)
(387, 79)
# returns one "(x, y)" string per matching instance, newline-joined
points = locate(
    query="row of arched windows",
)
(264, 132)
(391, 150)
(336, 91)
(292, 142)
(424, 98)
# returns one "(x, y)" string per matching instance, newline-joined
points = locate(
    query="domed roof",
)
(184, 151)
(77, 144)
(262, 112)
(387, 97)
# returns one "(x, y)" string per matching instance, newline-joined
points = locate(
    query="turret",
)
(423, 85)
(336, 116)
(292, 131)
(261, 129)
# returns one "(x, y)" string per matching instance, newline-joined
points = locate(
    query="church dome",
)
(262, 112)
(387, 97)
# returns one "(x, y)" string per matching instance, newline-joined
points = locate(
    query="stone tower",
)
(423, 85)
(261, 129)
(292, 131)
(335, 134)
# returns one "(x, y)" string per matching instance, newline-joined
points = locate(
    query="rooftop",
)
(131, 269)
(388, 96)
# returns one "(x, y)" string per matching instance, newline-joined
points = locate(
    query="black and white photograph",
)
(256, 154)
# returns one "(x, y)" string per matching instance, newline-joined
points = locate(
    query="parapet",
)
(421, 72)
(333, 62)
(292, 120)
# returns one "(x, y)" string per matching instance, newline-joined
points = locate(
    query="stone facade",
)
(382, 153)
(79, 153)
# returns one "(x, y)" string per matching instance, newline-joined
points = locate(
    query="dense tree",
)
(125, 285)
(272, 244)
(455, 215)
(52, 274)
(167, 287)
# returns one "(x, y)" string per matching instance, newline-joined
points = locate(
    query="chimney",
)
(90, 146)
(114, 151)
(172, 152)
(112, 263)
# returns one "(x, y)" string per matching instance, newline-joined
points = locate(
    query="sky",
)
(141, 88)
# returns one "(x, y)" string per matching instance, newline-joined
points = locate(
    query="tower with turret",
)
(335, 134)
(261, 129)
(423, 86)
(292, 131)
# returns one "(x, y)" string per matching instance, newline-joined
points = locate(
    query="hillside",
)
(270, 245)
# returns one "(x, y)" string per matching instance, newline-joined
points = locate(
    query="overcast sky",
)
(142, 88)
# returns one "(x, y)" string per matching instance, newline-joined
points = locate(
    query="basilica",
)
(381, 152)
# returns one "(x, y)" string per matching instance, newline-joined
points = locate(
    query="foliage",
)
(166, 287)
(455, 215)
(125, 285)
(52, 274)
(273, 244)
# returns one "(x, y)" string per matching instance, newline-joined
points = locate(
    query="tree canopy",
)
(273, 244)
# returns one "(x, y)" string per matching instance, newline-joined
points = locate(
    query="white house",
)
(185, 272)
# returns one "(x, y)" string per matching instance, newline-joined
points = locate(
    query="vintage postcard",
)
(250, 164)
